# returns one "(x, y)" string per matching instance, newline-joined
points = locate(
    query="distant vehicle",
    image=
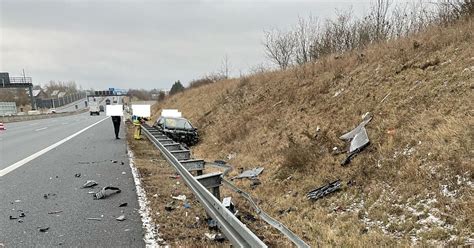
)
(101, 108)
(52, 111)
(107, 102)
(94, 108)
(178, 129)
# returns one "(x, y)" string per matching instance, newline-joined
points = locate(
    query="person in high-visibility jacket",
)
(137, 122)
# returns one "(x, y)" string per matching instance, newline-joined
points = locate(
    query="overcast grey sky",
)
(143, 44)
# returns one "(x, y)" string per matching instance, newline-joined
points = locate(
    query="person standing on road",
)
(116, 120)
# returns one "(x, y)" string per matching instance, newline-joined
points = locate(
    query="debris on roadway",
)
(324, 190)
(89, 184)
(103, 192)
(43, 229)
(55, 212)
(121, 218)
(123, 204)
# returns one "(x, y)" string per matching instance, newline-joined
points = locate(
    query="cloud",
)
(147, 44)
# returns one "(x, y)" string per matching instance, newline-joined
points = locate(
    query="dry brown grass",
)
(421, 139)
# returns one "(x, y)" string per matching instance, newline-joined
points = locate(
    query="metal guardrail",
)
(267, 218)
(237, 233)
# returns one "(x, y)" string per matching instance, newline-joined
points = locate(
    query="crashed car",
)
(178, 129)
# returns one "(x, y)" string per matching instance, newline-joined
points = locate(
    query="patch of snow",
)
(445, 191)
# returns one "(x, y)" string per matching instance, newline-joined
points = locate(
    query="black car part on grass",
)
(324, 190)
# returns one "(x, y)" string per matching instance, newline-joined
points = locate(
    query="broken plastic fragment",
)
(359, 139)
(89, 183)
(324, 190)
(44, 229)
(77, 175)
(179, 197)
(250, 173)
(121, 218)
(98, 219)
(227, 203)
(102, 193)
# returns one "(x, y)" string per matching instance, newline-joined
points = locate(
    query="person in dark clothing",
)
(116, 120)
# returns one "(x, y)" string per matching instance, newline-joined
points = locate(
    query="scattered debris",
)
(170, 206)
(124, 173)
(250, 173)
(187, 205)
(254, 183)
(179, 197)
(43, 229)
(77, 175)
(359, 139)
(22, 215)
(97, 219)
(250, 217)
(17, 201)
(114, 161)
(89, 184)
(121, 218)
(215, 237)
(55, 212)
(227, 203)
(13, 218)
(122, 163)
(102, 193)
(123, 204)
(48, 195)
(212, 224)
(324, 190)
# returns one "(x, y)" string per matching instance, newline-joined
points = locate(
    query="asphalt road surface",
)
(38, 163)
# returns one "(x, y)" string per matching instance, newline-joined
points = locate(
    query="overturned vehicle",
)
(178, 129)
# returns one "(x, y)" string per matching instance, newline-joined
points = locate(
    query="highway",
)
(72, 106)
(38, 163)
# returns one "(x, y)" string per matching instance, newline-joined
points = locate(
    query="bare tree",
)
(225, 67)
(279, 47)
(305, 36)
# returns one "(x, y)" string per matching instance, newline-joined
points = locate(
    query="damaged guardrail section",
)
(237, 233)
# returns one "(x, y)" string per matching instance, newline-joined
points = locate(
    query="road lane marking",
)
(40, 129)
(45, 150)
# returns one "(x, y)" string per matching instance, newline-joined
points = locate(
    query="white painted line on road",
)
(45, 150)
(41, 129)
(32, 124)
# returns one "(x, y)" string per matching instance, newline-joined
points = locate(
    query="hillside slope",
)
(412, 185)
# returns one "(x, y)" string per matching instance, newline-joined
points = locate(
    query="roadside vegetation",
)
(413, 185)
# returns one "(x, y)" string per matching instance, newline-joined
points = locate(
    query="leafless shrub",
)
(310, 41)
(304, 37)
(279, 47)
